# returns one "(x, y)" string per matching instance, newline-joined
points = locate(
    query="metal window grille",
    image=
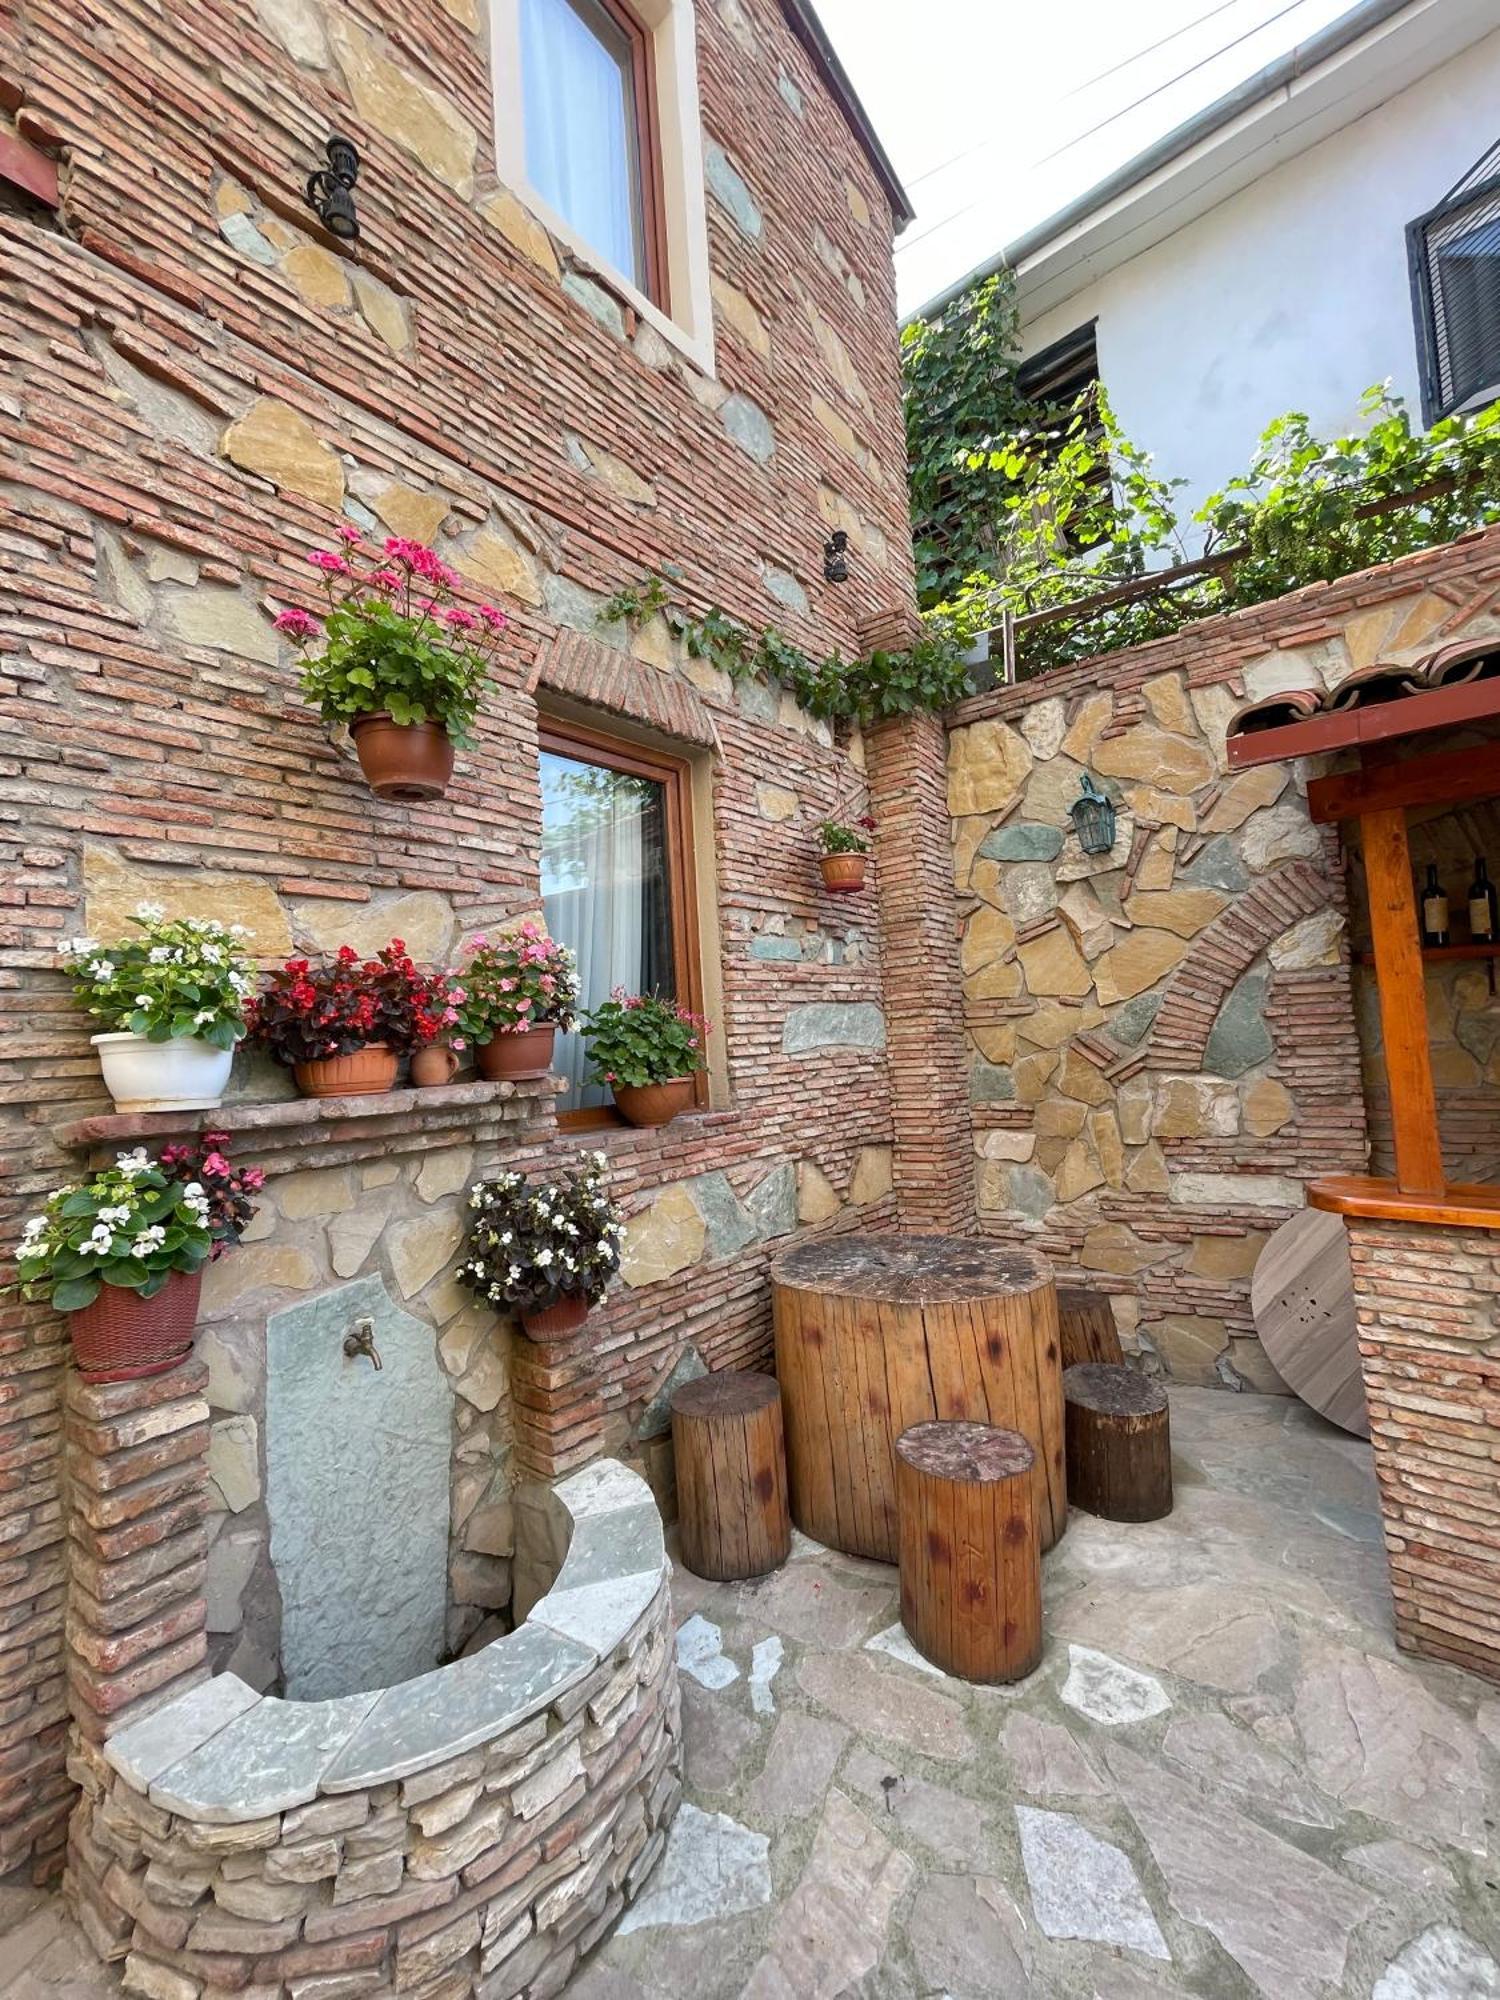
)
(1454, 252)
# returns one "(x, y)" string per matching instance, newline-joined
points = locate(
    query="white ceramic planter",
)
(181, 1075)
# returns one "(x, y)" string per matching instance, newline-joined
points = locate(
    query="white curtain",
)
(580, 125)
(593, 863)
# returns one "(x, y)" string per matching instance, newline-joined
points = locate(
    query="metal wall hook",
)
(362, 1341)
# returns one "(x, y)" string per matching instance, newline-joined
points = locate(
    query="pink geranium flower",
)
(297, 624)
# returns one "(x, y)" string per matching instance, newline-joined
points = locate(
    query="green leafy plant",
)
(836, 837)
(181, 976)
(532, 1243)
(638, 603)
(639, 1038)
(393, 640)
(133, 1225)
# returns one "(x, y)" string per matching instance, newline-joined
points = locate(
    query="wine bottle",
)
(1484, 915)
(1434, 909)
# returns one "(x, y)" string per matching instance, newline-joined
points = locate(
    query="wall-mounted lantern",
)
(331, 189)
(1093, 817)
(836, 557)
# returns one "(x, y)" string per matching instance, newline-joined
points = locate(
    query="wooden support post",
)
(1403, 1000)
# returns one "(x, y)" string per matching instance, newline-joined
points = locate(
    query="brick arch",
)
(1221, 955)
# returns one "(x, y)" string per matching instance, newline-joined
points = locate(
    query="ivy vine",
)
(925, 677)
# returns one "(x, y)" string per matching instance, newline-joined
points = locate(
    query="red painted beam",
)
(1354, 728)
(26, 167)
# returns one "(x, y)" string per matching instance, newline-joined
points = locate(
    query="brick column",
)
(930, 1114)
(136, 1458)
(1428, 1306)
(557, 1412)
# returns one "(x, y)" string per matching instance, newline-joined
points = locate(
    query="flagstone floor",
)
(1223, 1780)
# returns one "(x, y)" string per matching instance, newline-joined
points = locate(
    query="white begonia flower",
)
(100, 969)
(159, 954)
(544, 1256)
(515, 1274)
(150, 912)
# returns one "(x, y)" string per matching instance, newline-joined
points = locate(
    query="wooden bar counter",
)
(877, 1333)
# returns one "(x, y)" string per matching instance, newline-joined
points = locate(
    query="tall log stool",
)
(971, 1563)
(877, 1333)
(1086, 1327)
(731, 1476)
(1119, 1443)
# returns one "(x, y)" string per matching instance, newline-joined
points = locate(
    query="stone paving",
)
(1222, 1781)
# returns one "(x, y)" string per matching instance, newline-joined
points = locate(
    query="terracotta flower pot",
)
(843, 874)
(122, 1336)
(433, 1065)
(653, 1103)
(403, 761)
(363, 1073)
(520, 1052)
(555, 1322)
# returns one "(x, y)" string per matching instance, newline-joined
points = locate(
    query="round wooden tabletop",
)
(911, 1270)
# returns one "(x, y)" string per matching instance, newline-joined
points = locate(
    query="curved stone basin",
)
(548, 1761)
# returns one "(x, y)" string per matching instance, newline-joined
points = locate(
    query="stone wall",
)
(1427, 1300)
(1162, 1038)
(477, 1829)
(201, 386)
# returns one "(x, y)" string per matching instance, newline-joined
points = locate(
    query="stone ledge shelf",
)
(338, 1129)
(493, 1815)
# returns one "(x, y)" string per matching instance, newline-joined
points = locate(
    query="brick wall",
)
(199, 385)
(1428, 1305)
(1163, 1039)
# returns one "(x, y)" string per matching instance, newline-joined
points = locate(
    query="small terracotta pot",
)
(653, 1103)
(843, 874)
(555, 1322)
(403, 761)
(121, 1336)
(364, 1073)
(434, 1065)
(521, 1052)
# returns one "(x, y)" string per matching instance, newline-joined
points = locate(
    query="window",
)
(599, 134)
(1062, 377)
(616, 881)
(592, 150)
(1454, 253)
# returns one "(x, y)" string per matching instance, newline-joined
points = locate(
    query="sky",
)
(998, 112)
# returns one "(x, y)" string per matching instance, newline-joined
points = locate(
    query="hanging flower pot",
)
(123, 1336)
(433, 1066)
(362, 1073)
(843, 874)
(557, 1321)
(516, 1053)
(405, 762)
(654, 1103)
(396, 659)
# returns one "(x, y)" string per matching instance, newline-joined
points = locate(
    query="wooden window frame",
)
(656, 278)
(675, 774)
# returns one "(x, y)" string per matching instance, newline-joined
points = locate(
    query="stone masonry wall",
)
(199, 386)
(1428, 1304)
(1162, 1038)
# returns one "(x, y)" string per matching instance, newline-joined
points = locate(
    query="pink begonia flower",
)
(457, 1042)
(479, 943)
(326, 560)
(523, 1005)
(215, 1163)
(297, 624)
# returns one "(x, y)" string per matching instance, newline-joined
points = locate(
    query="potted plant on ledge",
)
(122, 1253)
(846, 853)
(436, 1042)
(341, 1024)
(173, 1003)
(400, 662)
(648, 1050)
(516, 994)
(546, 1250)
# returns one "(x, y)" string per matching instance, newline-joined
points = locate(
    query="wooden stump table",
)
(731, 1476)
(1119, 1443)
(875, 1334)
(971, 1567)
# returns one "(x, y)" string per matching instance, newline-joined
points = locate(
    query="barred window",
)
(1454, 252)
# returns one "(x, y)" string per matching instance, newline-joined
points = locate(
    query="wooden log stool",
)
(971, 1563)
(1119, 1443)
(731, 1476)
(877, 1333)
(1086, 1327)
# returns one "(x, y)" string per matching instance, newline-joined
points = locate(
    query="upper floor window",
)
(1454, 252)
(592, 145)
